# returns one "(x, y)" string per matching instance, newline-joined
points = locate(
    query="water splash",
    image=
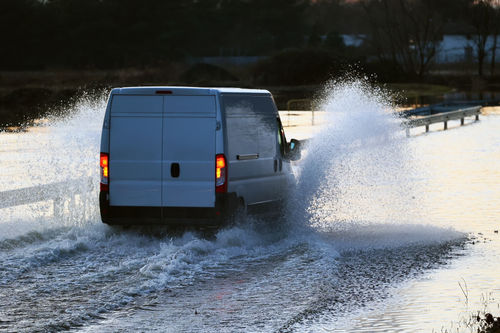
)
(358, 166)
(61, 149)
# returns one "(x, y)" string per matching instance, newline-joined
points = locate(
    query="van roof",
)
(185, 91)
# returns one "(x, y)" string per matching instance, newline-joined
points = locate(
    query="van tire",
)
(241, 210)
(236, 213)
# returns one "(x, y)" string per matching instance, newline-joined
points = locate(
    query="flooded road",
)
(379, 232)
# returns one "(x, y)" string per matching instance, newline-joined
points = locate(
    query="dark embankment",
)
(27, 96)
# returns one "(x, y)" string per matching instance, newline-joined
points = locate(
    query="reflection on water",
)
(454, 96)
(472, 95)
(458, 187)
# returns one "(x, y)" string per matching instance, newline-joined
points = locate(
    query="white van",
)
(181, 155)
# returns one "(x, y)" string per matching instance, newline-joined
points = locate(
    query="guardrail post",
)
(461, 121)
(72, 207)
(84, 207)
(477, 117)
(292, 101)
(58, 207)
(445, 125)
(426, 128)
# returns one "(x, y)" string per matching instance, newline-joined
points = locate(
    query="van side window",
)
(245, 105)
(251, 125)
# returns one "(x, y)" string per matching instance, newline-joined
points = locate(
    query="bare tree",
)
(495, 32)
(484, 19)
(405, 31)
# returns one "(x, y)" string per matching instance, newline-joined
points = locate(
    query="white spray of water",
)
(358, 171)
(61, 150)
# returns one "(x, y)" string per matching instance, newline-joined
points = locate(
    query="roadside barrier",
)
(443, 117)
(59, 193)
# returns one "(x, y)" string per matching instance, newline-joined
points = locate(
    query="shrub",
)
(296, 67)
(206, 73)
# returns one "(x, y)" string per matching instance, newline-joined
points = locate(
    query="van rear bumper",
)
(225, 206)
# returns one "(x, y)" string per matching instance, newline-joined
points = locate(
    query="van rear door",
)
(135, 158)
(188, 151)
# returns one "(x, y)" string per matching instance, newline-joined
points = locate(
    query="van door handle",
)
(175, 170)
(247, 157)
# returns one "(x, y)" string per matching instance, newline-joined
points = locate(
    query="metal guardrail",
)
(294, 118)
(58, 192)
(443, 117)
(301, 101)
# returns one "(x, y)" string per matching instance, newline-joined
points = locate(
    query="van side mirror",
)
(294, 148)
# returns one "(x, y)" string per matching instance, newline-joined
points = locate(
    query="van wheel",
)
(242, 207)
(239, 213)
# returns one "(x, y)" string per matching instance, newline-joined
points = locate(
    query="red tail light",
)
(220, 174)
(104, 162)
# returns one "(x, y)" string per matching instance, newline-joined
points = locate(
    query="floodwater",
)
(383, 233)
